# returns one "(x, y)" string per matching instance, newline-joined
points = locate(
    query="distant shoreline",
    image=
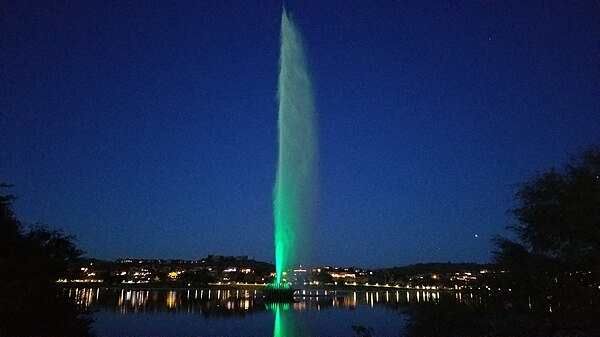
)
(251, 286)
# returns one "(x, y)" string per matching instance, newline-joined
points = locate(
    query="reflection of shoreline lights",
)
(240, 301)
(84, 297)
(132, 299)
(299, 306)
(172, 300)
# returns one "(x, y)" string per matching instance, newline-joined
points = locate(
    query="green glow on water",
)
(277, 329)
(296, 167)
(284, 325)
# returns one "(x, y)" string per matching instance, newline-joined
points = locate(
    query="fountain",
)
(295, 184)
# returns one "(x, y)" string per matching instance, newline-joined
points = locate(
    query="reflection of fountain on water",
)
(285, 324)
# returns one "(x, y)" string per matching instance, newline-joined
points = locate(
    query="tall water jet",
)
(295, 184)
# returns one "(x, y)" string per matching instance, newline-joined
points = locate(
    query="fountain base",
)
(279, 292)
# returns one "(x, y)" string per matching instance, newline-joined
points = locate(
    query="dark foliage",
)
(553, 270)
(556, 261)
(558, 212)
(550, 279)
(30, 263)
(497, 318)
(198, 278)
(437, 268)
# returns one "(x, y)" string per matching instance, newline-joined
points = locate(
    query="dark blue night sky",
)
(148, 129)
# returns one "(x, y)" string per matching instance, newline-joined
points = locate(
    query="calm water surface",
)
(239, 312)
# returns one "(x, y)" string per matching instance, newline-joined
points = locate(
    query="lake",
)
(243, 312)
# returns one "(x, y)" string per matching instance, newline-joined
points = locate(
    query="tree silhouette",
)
(550, 274)
(554, 265)
(30, 263)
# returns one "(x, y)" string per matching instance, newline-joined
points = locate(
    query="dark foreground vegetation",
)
(30, 263)
(550, 284)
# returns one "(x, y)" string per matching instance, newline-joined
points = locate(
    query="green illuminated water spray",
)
(295, 185)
